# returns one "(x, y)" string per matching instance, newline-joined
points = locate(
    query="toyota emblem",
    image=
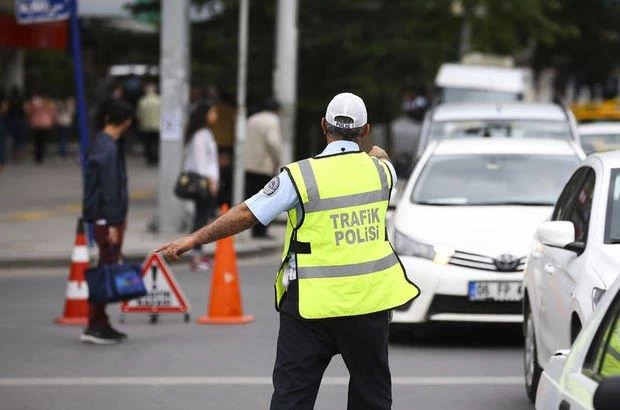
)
(506, 262)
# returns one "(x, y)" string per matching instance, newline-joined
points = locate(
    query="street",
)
(177, 365)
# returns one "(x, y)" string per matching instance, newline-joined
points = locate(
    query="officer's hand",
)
(378, 152)
(174, 250)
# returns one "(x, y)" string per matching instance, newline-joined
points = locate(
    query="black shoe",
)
(100, 336)
(113, 331)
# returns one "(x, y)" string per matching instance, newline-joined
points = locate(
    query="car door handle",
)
(564, 405)
(549, 268)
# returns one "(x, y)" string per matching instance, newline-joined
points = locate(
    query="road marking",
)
(245, 381)
(27, 216)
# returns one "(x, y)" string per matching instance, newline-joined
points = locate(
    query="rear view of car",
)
(497, 120)
(600, 136)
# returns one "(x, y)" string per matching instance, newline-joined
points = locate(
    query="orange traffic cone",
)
(225, 298)
(76, 302)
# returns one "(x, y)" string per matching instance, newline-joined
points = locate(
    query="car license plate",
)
(495, 291)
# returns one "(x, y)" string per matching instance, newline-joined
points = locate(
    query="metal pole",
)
(285, 73)
(240, 126)
(174, 85)
(78, 72)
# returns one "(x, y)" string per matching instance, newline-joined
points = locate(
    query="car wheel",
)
(532, 369)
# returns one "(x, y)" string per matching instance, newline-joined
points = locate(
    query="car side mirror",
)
(607, 395)
(558, 234)
(577, 247)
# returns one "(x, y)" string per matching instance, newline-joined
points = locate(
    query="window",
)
(580, 217)
(600, 142)
(500, 128)
(450, 94)
(565, 203)
(493, 179)
(612, 224)
(603, 359)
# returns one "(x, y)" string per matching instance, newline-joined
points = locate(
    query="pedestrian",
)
(224, 132)
(148, 114)
(16, 123)
(116, 92)
(339, 277)
(201, 157)
(106, 205)
(65, 111)
(263, 147)
(41, 120)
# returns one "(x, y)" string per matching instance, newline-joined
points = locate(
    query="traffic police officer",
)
(339, 275)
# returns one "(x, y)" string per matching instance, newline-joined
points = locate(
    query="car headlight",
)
(407, 246)
(597, 294)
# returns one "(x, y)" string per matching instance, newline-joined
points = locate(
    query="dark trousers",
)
(64, 134)
(108, 254)
(203, 212)
(305, 348)
(39, 138)
(151, 147)
(254, 183)
(18, 128)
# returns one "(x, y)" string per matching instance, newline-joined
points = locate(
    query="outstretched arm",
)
(232, 222)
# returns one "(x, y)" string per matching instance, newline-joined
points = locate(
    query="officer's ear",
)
(365, 131)
(324, 125)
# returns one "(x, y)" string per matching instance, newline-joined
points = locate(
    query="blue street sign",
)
(39, 11)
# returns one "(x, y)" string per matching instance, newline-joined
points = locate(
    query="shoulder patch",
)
(272, 186)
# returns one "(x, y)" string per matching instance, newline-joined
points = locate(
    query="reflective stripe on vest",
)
(351, 268)
(317, 204)
(348, 270)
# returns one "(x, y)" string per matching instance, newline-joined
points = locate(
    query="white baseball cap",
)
(346, 105)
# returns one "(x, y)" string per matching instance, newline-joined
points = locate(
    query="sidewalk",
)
(39, 207)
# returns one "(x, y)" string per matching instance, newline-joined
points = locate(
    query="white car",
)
(465, 221)
(505, 120)
(589, 376)
(574, 258)
(600, 136)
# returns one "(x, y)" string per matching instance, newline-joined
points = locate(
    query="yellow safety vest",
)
(345, 264)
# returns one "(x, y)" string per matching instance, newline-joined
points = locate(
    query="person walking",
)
(148, 114)
(105, 205)
(201, 157)
(65, 109)
(262, 152)
(339, 277)
(41, 120)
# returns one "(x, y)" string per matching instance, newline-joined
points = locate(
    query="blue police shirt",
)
(279, 196)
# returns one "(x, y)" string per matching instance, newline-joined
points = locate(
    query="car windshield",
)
(600, 142)
(500, 128)
(467, 94)
(493, 179)
(613, 209)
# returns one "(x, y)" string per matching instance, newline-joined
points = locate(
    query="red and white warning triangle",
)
(164, 294)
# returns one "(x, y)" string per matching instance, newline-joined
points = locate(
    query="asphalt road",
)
(175, 365)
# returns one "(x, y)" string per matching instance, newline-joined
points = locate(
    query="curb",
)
(244, 251)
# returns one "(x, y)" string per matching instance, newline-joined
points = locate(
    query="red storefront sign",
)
(42, 36)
